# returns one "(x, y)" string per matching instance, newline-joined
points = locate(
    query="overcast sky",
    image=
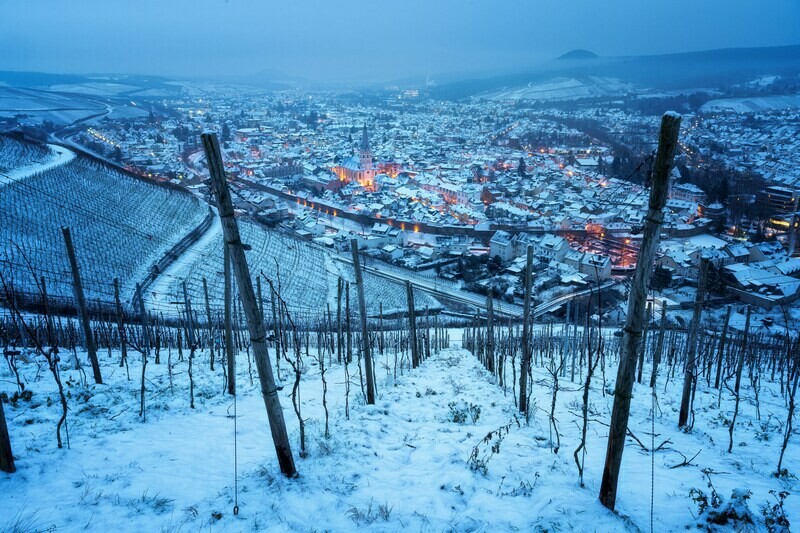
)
(368, 40)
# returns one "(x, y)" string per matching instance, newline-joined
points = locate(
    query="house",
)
(551, 247)
(391, 252)
(790, 267)
(688, 192)
(738, 252)
(759, 286)
(677, 261)
(502, 246)
(764, 251)
(595, 267)
(426, 253)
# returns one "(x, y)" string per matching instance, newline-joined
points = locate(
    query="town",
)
(459, 190)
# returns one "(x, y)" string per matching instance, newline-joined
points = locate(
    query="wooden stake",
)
(526, 336)
(254, 323)
(722, 340)
(210, 325)
(120, 325)
(362, 307)
(412, 325)
(632, 333)
(77, 288)
(691, 348)
(229, 352)
(659, 344)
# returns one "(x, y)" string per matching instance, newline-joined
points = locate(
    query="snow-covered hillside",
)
(443, 449)
(120, 225)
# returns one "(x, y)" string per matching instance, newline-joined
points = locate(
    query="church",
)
(359, 168)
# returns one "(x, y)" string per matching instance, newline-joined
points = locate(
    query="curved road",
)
(501, 308)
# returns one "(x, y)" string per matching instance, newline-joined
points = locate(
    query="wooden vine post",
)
(230, 358)
(412, 325)
(691, 349)
(632, 333)
(6, 457)
(255, 325)
(80, 300)
(526, 336)
(210, 325)
(362, 308)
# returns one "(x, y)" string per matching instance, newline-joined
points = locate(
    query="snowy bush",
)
(461, 412)
(715, 511)
(774, 514)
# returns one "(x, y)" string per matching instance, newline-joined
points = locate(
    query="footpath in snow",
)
(401, 463)
(442, 449)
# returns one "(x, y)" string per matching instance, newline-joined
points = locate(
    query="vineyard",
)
(306, 274)
(120, 226)
(447, 446)
(15, 154)
(153, 414)
(134, 231)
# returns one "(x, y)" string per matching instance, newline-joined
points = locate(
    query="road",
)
(449, 291)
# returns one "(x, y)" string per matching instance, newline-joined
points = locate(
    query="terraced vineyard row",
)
(120, 227)
(306, 274)
(16, 154)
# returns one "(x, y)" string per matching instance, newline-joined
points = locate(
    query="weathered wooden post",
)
(80, 300)
(525, 365)
(146, 350)
(722, 347)
(490, 333)
(667, 143)
(640, 369)
(339, 339)
(412, 325)
(739, 368)
(254, 323)
(120, 325)
(187, 305)
(691, 348)
(6, 457)
(362, 307)
(659, 344)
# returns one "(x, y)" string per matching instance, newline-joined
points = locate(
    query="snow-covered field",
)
(55, 156)
(402, 464)
(752, 105)
(561, 89)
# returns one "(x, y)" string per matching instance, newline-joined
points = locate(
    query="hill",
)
(578, 54)
(711, 68)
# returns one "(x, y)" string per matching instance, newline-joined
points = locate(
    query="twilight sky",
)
(368, 40)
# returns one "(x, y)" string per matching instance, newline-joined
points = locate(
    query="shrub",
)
(774, 515)
(461, 412)
(715, 511)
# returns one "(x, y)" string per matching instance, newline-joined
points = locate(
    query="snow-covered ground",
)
(403, 463)
(561, 89)
(753, 104)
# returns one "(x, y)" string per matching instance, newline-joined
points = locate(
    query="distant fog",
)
(366, 41)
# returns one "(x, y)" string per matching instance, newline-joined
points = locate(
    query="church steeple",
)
(365, 152)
